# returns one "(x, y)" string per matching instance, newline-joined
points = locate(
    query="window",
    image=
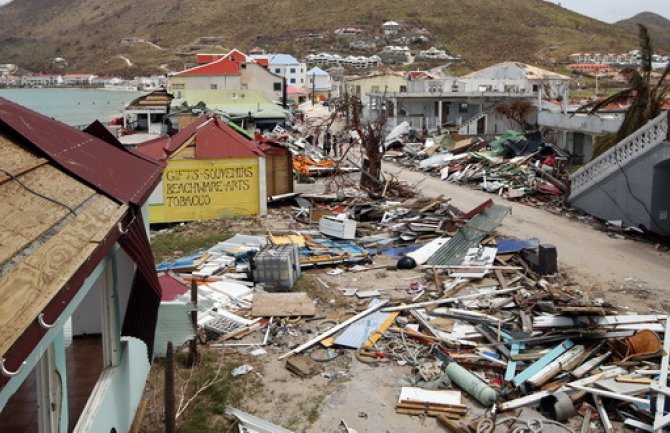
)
(277, 70)
(292, 80)
(463, 108)
(302, 80)
(213, 86)
(276, 87)
(178, 86)
(403, 89)
(292, 70)
(243, 66)
(535, 88)
(374, 89)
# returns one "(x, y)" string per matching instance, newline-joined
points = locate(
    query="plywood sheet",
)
(282, 305)
(27, 216)
(28, 288)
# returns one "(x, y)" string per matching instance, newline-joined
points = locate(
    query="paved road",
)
(598, 257)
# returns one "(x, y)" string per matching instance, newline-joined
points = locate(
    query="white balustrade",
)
(640, 142)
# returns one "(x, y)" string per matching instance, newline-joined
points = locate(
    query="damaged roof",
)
(211, 137)
(62, 194)
(516, 71)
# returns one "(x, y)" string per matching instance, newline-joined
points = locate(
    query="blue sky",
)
(614, 10)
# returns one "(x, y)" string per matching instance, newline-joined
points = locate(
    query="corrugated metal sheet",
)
(174, 324)
(469, 236)
(116, 172)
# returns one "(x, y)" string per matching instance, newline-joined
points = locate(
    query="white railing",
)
(466, 127)
(640, 142)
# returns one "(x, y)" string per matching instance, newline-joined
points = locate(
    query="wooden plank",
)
(282, 305)
(454, 427)
(405, 411)
(428, 406)
(28, 288)
(542, 362)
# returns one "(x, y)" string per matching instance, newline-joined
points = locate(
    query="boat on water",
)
(121, 87)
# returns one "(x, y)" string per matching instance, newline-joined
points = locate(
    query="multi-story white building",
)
(359, 62)
(285, 65)
(78, 79)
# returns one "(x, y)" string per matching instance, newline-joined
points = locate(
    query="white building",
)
(285, 65)
(390, 27)
(78, 79)
(319, 80)
(41, 80)
(358, 62)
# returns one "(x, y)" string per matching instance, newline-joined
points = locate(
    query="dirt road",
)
(593, 254)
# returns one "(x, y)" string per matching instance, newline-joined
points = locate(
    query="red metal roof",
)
(114, 171)
(228, 64)
(202, 58)
(213, 139)
(172, 287)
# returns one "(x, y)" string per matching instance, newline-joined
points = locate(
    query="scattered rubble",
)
(484, 327)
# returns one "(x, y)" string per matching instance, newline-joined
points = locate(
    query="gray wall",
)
(646, 201)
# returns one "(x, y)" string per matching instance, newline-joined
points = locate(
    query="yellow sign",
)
(195, 189)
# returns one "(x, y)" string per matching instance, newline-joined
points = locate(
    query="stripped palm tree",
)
(646, 99)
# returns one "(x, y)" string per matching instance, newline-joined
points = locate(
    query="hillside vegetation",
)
(658, 26)
(88, 33)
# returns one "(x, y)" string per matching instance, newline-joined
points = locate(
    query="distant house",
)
(394, 54)
(78, 290)
(347, 32)
(214, 171)
(249, 108)
(319, 82)
(285, 66)
(376, 83)
(588, 67)
(390, 27)
(467, 104)
(297, 95)
(386, 83)
(42, 80)
(147, 113)
(357, 62)
(433, 54)
(78, 80)
(232, 71)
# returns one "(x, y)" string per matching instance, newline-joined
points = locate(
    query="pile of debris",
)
(515, 165)
(492, 326)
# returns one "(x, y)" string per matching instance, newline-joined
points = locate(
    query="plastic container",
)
(277, 267)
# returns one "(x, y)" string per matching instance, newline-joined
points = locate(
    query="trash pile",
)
(515, 165)
(491, 327)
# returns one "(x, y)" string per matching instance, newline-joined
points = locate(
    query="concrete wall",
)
(377, 84)
(579, 122)
(644, 202)
(256, 77)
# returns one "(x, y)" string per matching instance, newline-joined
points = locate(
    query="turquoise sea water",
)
(73, 106)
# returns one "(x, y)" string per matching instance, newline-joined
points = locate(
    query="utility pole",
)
(313, 87)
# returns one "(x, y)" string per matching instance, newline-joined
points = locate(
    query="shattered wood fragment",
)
(450, 425)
